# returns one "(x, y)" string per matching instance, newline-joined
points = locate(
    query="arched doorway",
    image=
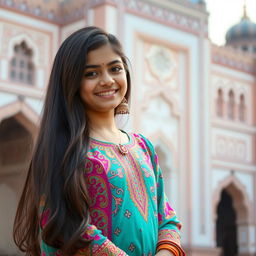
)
(166, 162)
(234, 210)
(15, 149)
(226, 227)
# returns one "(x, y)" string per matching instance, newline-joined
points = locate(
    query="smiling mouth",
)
(106, 93)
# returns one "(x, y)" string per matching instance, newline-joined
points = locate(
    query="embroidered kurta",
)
(130, 214)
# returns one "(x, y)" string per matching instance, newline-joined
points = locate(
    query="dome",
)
(197, 1)
(245, 30)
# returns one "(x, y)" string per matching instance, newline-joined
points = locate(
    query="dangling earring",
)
(122, 108)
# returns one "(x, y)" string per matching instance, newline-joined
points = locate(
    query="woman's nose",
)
(106, 79)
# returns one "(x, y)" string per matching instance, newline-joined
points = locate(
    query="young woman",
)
(91, 188)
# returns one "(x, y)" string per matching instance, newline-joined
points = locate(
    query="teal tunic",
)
(130, 214)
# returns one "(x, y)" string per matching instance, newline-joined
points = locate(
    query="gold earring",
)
(122, 108)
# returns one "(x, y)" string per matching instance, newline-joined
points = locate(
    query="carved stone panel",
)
(161, 65)
(233, 147)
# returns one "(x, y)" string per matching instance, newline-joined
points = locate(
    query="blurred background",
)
(193, 94)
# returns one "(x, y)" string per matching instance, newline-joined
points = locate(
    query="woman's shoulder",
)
(142, 140)
(137, 135)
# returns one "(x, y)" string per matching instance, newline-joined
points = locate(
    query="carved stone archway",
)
(242, 208)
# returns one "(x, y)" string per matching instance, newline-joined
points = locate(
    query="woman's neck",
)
(102, 125)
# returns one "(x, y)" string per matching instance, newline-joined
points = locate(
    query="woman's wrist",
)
(164, 253)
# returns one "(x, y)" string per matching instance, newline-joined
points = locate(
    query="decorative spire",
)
(245, 16)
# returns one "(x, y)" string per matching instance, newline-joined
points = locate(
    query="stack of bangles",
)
(173, 248)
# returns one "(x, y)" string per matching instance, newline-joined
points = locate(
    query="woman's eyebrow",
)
(98, 66)
(114, 62)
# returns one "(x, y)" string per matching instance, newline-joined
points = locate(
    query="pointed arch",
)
(231, 105)
(237, 190)
(220, 103)
(242, 108)
(242, 209)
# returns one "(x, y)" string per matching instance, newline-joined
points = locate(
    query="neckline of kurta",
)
(106, 143)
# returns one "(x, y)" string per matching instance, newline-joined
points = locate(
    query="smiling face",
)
(104, 83)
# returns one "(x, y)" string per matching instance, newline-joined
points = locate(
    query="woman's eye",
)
(90, 74)
(116, 69)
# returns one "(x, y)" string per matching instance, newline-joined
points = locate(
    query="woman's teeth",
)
(106, 93)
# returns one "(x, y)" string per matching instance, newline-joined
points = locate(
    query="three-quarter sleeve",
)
(99, 244)
(168, 224)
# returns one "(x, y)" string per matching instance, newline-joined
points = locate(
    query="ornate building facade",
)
(194, 100)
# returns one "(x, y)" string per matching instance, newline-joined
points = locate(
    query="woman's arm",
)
(168, 224)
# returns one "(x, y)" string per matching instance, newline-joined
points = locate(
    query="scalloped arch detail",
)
(18, 39)
(240, 197)
(21, 112)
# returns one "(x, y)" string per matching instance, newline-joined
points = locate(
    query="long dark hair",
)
(57, 165)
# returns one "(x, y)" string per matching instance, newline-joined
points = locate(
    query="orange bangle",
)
(170, 248)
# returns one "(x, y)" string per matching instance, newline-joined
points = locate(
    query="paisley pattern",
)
(100, 193)
(130, 214)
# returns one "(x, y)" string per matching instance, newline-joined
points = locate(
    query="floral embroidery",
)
(128, 214)
(117, 231)
(132, 247)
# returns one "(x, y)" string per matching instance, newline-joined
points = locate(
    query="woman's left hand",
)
(164, 253)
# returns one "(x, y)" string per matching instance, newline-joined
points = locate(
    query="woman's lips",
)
(107, 94)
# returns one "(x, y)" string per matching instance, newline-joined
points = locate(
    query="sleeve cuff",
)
(168, 235)
(107, 248)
